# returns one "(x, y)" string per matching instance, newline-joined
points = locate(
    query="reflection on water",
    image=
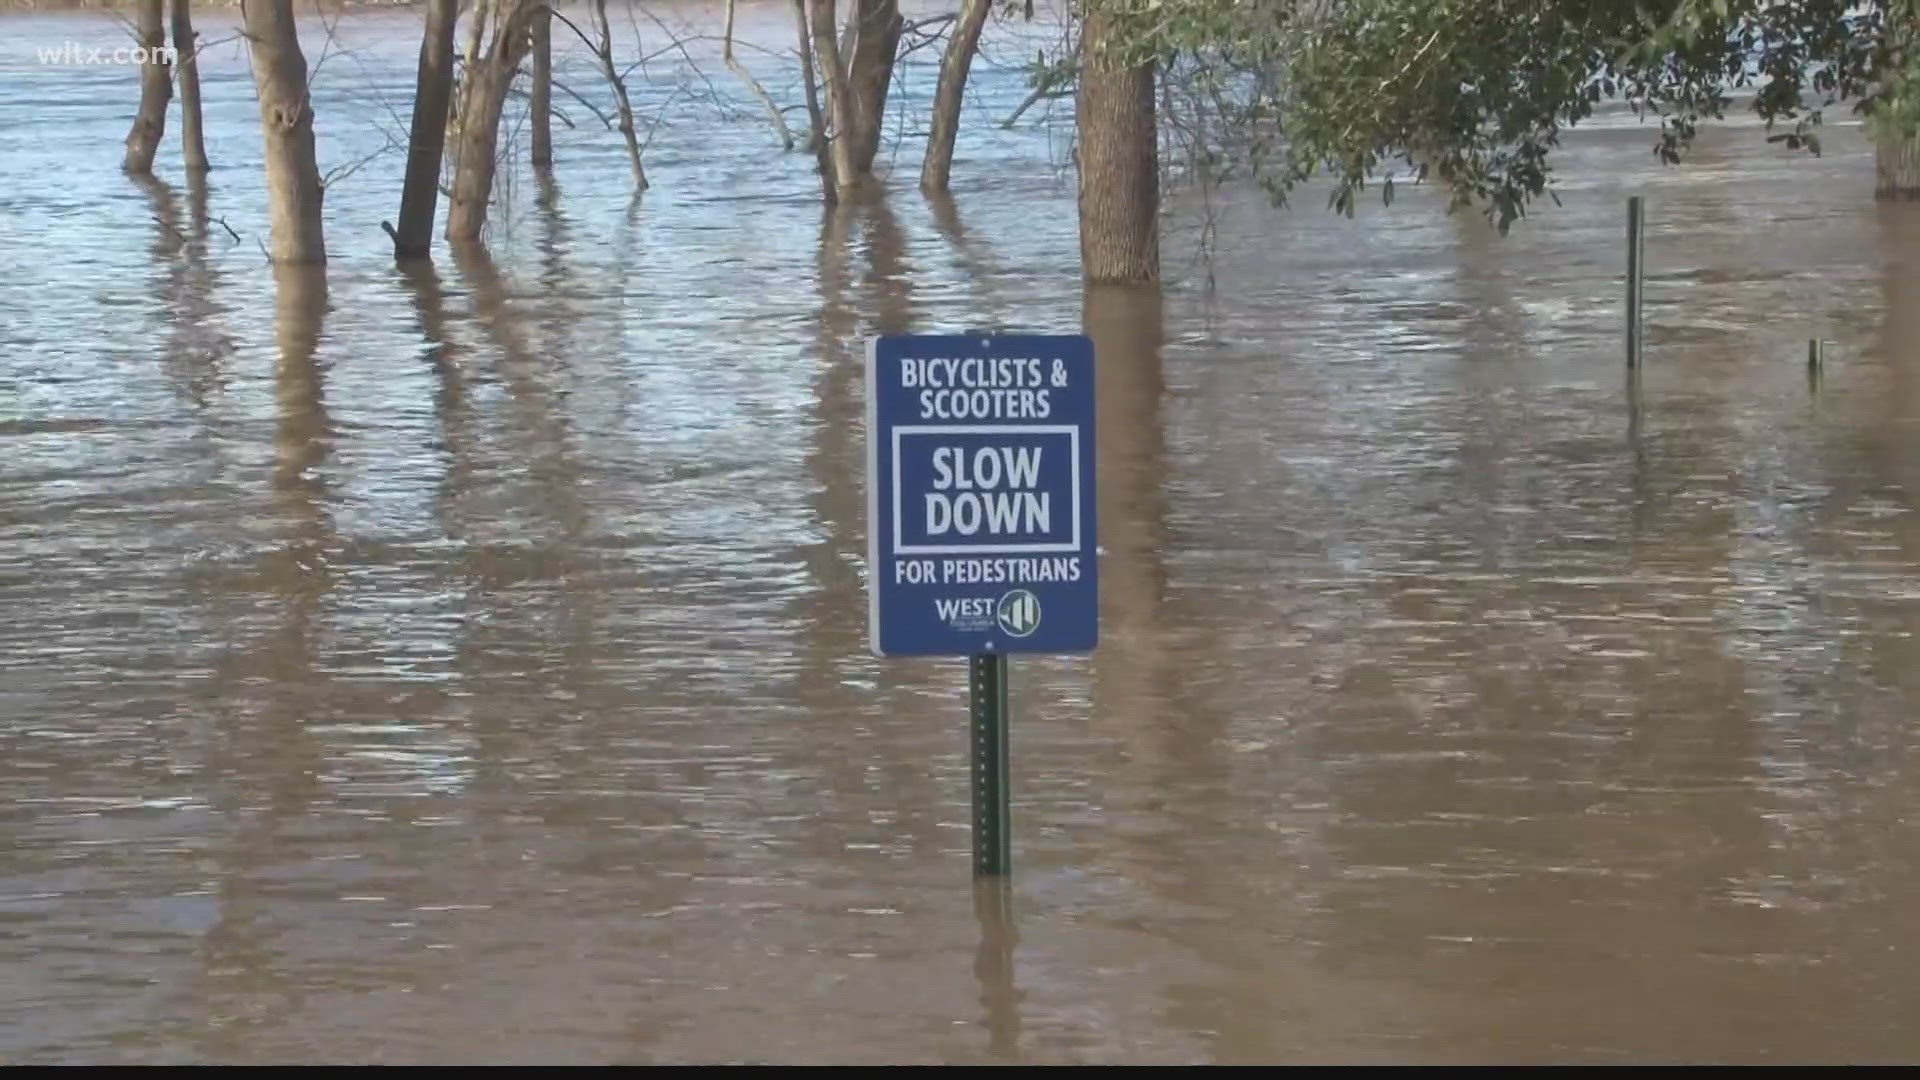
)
(993, 965)
(466, 661)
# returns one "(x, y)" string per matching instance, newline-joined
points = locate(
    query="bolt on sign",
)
(980, 495)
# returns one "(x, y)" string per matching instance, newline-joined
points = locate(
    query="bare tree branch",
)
(341, 172)
(753, 84)
(590, 106)
(680, 45)
(658, 117)
(327, 49)
(1039, 92)
(604, 50)
(203, 46)
(514, 91)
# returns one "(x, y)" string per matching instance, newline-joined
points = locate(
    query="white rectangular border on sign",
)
(873, 496)
(1072, 431)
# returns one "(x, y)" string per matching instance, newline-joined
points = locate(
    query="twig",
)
(1043, 91)
(579, 33)
(659, 116)
(173, 233)
(919, 26)
(915, 46)
(222, 222)
(341, 172)
(681, 46)
(203, 46)
(326, 47)
(642, 62)
(1391, 79)
(514, 91)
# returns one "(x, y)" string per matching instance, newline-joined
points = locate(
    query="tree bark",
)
(156, 89)
(1897, 165)
(193, 143)
(482, 102)
(479, 142)
(870, 73)
(936, 169)
(294, 193)
(845, 178)
(604, 50)
(426, 140)
(476, 36)
(540, 101)
(817, 126)
(1119, 160)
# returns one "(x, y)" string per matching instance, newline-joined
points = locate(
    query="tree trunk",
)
(192, 142)
(540, 101)
(604, 49)
(870, 72)
(156, 89)
(286, 121)
(476, 36)
(474, 153)
(937, 168)
(1897, 164)
(1119, 164)
(846, 179)
(426, 140)
(817, 127)
(482, 102)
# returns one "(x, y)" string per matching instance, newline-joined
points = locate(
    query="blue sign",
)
(980, 495)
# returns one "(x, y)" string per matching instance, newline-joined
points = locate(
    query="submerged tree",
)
(816, 123)
(842, 179)
(875, 28)
(489, 75)
(156, 88)
(294, 191)
(540, 100)
(193, 143)
(937, 167)
(602, 46)
(1118, 148)
(855, 71)
(426, 141)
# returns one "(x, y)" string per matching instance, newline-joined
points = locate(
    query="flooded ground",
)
(469, 665)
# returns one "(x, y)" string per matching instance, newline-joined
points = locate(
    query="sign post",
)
(980, 523)
(992, 788)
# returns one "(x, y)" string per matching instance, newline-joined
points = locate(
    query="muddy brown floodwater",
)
(469, 664)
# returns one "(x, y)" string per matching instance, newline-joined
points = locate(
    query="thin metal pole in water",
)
(1816, 361)
(1636, 271)
(992, 796)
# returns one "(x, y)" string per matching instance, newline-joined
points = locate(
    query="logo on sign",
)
(1018, 613)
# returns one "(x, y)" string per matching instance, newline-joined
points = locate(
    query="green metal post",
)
(1636, 273)
(992, 797)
